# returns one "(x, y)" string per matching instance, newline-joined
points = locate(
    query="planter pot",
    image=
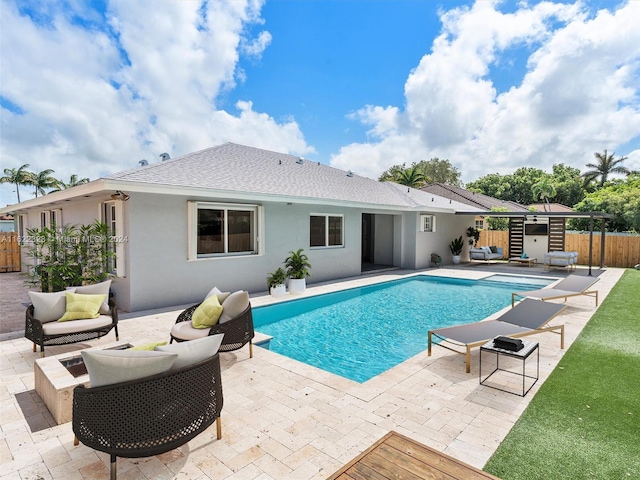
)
(297, 286)
(278, 290)
(455, 259)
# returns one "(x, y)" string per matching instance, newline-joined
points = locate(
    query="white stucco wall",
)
(448, 227)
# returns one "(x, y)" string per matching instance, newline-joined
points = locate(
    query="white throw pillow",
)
(234, 305)
(48, 307)
(101, 288)
(222, 296)
(193, 351)
(106, 367)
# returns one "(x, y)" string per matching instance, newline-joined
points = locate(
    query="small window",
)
(326, 230)
(480, 224)
(427, 223)
(224, 230)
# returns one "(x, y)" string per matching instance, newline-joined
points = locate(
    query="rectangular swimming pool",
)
(361, 332)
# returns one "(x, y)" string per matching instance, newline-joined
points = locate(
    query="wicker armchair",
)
(149, 416)
(34, 329)
(237, 332)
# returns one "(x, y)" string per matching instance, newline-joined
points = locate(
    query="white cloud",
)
(96, 101)
(579, 93)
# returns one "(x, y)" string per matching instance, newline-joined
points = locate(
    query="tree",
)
(621, 199)
(433, 171)
(605, 165)
(498, 223)
(568, 183)
(74, 181)
(544, 190)
(17, 176)
(411, 177)
(43, 180)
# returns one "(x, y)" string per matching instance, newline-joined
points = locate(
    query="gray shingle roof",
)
(237, 168)
(479, 200)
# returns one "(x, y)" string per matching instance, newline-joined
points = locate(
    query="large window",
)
(326, 230)
(223, 230)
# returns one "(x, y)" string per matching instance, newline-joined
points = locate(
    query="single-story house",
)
(228, 215)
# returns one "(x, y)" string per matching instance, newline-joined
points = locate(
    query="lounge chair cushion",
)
(185, 331)
(82, 306)
(234, 305)
(48, 307)
(106, 367)
(207, 313)
(193, 351)
(75, 326)
(101, 288)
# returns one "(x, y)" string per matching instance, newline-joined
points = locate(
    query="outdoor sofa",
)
(43, 325)
(527, 318)
(145, 403)
(566, 260)
(486, 254)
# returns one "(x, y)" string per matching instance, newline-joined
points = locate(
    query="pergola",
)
(523, 216)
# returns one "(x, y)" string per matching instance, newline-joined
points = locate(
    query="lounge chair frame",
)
(559, 292)
(495, 327)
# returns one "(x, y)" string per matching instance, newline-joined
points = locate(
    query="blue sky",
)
(93, 87)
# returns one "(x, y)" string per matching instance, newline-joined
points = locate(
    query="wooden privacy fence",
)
(619, 250)
(9, 252)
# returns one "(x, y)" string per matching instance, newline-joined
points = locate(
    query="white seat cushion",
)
(193, 351)
(185, 331)
(73, 326)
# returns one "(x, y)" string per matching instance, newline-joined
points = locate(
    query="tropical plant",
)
(297, 265)
(604, 166)
(43, 180)
(474, 235)
(17, 176)
(277, 277)
(497, 223)
(69, 255)
(74, 181)
(456, 246)
(411, 177)
(543, 190)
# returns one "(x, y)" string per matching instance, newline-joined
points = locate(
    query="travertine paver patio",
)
(283, 419)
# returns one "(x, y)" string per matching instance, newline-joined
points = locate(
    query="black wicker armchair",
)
(149, 416)
(41, 333)
(237, 332)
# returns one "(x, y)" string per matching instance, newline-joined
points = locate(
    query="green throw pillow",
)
(207, 313)
(81, 306)
(148, 346)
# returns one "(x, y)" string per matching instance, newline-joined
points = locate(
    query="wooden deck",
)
(397, 457)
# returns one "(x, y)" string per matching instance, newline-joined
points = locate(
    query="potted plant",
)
(456, 246)
(297, 264)
(276, 282)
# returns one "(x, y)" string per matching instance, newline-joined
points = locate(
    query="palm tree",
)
(411, 177)
(604, 166)
(17, 176)
(42, 180)
(74, 181)
(544, 190)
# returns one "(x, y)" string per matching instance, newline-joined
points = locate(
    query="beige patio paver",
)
(285, 420)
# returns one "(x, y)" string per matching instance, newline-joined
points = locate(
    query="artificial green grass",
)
(584, 422)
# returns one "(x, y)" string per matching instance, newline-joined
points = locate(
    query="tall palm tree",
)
(411, 177)
(604, 166)
(17, 176)
(74, 181)
(43, 180)
(544, 190)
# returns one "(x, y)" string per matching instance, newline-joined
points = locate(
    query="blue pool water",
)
(361, 332)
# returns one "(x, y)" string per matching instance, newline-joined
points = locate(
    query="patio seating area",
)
(282, 419)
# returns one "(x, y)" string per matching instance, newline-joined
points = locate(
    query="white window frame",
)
(116, 230)
(326, 230)
(192, 226)
(22, 227)
(45, 219)
(427, 223)
(479, 224)
(55, 218)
